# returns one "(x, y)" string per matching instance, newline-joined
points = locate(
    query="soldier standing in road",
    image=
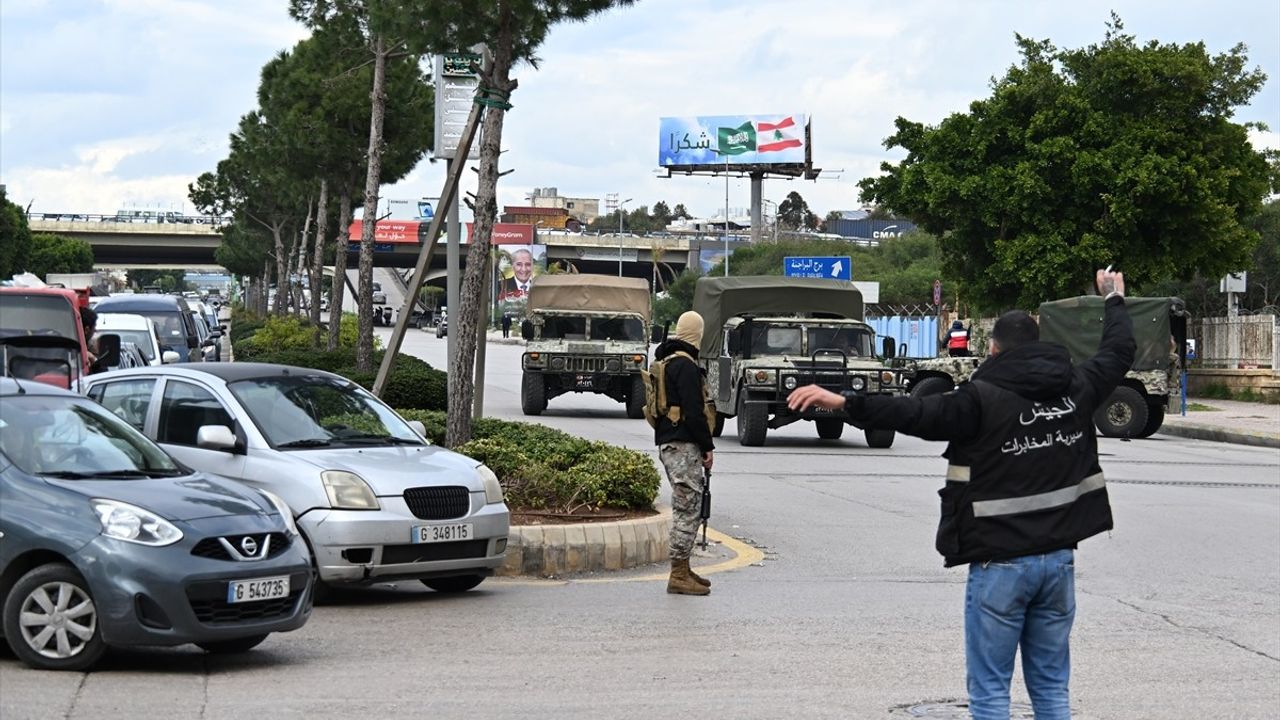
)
(1024, 486)
(685, 448)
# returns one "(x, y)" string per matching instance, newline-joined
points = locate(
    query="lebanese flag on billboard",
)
(772, 137)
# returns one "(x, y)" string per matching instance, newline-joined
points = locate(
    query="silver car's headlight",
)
(348, 491)
(131, 523)
(283, 508)
(789, 382)
(492, 488)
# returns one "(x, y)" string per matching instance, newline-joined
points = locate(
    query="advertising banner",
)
(388, 232)
(455, 85)
(518, 268)
(506, 233)
(737, 139)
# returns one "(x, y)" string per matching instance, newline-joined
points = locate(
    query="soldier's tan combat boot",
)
(698, 578)
(681, 581)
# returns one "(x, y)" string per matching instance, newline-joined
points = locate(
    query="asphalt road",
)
(849, 615)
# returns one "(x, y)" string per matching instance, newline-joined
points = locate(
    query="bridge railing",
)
(140, 217)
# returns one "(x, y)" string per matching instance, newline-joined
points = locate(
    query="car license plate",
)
(584, 381)
(258, 589)
(443, 533)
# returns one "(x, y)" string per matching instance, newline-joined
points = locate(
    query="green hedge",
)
(287, 341)
(544, 468)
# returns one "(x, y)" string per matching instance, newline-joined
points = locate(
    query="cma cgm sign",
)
(889, 231)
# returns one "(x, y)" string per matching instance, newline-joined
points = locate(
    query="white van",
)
(139, 331)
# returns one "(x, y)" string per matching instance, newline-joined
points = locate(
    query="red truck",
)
(42, 336)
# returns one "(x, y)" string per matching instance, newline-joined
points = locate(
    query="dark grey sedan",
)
(106, 541)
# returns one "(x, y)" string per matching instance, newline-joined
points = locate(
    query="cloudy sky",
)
(107, 104)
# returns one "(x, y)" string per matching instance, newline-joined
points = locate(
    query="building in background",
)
(542, 218)
(585, 210)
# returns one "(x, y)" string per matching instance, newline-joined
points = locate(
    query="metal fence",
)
(918, 334)
(1246, 341)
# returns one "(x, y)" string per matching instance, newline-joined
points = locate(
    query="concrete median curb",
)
(1216, 433)
(549, 550)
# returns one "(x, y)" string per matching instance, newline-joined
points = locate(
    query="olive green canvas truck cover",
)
(1076, 323)
(718, 299)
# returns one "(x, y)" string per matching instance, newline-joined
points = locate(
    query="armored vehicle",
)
(1136, 408)
(767, 335)
(585, 333)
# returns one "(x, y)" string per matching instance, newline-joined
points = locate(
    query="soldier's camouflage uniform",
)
(683, 461)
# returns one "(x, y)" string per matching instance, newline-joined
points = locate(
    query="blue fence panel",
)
(920, 334)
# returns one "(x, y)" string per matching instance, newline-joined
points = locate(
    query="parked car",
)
(374, 500)
(109, 542)
(140, 331)
(379, 296)
(171, 315)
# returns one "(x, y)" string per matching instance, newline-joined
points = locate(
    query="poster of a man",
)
(517, 269)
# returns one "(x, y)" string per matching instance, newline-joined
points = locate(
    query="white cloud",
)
(1264, 139)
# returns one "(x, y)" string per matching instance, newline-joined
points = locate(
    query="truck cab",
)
(42, 337)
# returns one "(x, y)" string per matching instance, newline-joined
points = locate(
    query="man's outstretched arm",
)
(949, 416)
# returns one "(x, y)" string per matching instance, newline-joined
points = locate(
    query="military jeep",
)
(585, 333)
(767, 335)
(1137, 406)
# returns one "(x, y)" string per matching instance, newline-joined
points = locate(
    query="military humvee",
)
(585, 333)
(767, 335)
(1136, 408)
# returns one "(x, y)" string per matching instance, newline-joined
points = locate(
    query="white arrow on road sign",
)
(835, 269)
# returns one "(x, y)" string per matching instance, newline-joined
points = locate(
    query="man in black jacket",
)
(1023, 488)
(684, 444)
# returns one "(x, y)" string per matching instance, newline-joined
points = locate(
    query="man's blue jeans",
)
(1026, 602)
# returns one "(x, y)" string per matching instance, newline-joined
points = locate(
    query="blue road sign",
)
(834, 268)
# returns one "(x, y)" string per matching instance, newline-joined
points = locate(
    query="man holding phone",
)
(1023, 487)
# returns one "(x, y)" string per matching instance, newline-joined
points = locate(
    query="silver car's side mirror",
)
(418, 427)
(168, 357)
(215, 437)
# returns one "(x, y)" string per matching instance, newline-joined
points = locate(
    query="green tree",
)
(512, 30)
(1116, 153)
(680, 213)
(794, 212)
(831, 217)
(140, 278)
(59, 254)
(661, 215)
(15, 238)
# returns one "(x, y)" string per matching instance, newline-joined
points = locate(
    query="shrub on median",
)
(544, 468)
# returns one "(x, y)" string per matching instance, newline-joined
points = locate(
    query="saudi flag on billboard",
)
(735, 141)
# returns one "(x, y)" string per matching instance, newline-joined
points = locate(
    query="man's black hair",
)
(88, 318)
(1014, 329)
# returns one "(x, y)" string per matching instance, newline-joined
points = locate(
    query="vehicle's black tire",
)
(753, 422)
(1123, 415)
(456, 584)
(830, 428)
(1155, 418)
(81, 652)
(718, 430)
(932, 385)
(232, 647)
(533, 393)
(879, 438)
(635, 398)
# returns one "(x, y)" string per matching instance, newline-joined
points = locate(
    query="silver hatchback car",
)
(374, 499)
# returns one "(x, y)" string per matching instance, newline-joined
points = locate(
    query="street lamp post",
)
(624, 202)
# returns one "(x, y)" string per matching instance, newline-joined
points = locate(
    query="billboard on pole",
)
(736, 139)
(455, 85)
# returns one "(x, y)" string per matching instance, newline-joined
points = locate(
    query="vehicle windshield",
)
(564, 327)
(853, 342)
(75, 438)
(314, 411)
(776, 340)
(168, 328)
(621, 328)
(141, 338)
(22, 314)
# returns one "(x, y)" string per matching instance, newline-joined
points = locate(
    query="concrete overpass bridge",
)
(189, 242)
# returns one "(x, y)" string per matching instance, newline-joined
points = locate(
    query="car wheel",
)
(457, 584)
(830, 428)
(1123, 415)
(231, 647)
(932, 385)
(51, 620)
(1155, 418)
(879, 438)
(533, 393)
(718, 430)
(753, 421)
(635, 399)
